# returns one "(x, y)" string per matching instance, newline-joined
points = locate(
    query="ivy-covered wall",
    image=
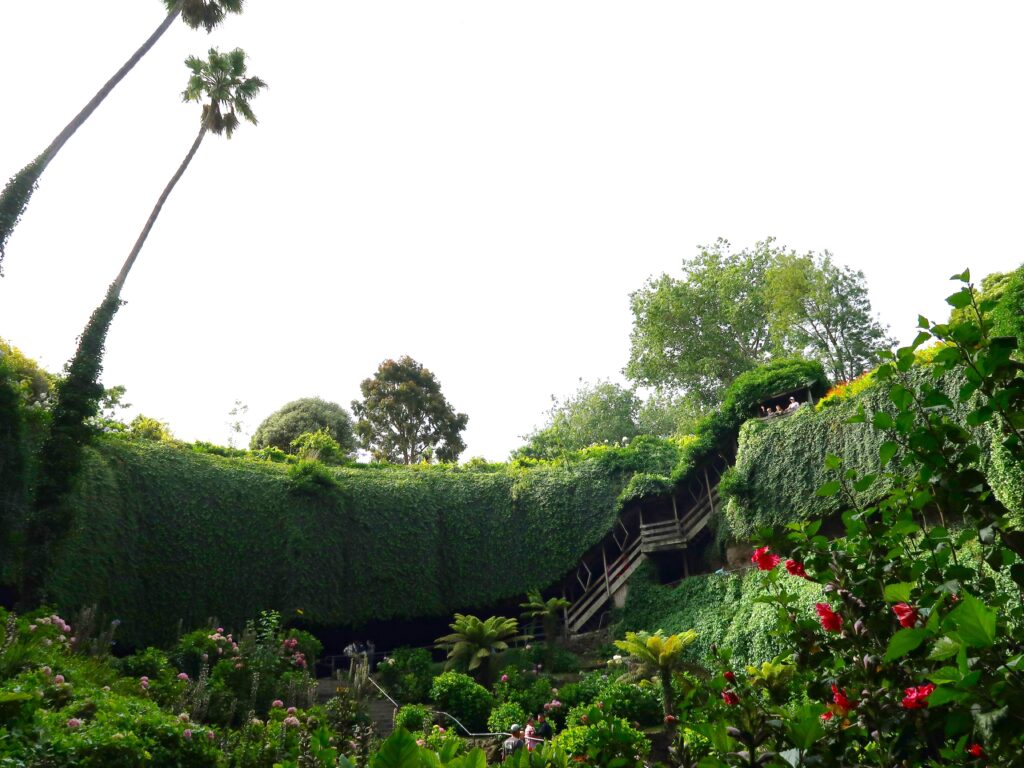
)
(164, 534)
(720, 606)
(780, 463)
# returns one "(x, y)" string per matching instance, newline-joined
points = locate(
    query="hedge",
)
(164, 534)
(167, 536)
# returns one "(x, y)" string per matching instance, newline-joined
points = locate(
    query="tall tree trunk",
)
(77, 402)
(16, 195)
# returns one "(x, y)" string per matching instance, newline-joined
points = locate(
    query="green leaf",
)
(945, 695)
(945, 675)
(399, 750)
(903, 642)
(887, 451)
(963, 277)
(830, 488)
(944, 648)
(882, 420)
(975, 622)
(898, 593)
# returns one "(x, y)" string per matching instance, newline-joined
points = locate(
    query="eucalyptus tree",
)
(221, 84)
(207, 14)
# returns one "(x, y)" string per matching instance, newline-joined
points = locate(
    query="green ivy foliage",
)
(781, 463)
(13, 463)
(14, 199)
(723, 608)
(198, 535)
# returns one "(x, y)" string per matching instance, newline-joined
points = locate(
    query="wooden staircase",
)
(632, 540)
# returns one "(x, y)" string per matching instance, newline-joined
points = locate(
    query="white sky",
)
(481, 185)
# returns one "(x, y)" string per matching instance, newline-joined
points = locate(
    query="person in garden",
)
(531, 734)
(542, 727)
(793, 404)
(513, 743)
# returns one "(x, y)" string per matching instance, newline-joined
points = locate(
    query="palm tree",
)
(220, 81)
(474, 643)
(658, 655)
(16, 195)
(550, 613)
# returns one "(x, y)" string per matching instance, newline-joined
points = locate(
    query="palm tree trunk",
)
(127, 67)
(77, 401)
(126, 268)
(16, 194)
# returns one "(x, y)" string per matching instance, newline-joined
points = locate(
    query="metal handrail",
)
(465, 730)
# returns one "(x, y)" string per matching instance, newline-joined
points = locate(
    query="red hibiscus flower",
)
(906, 614)
(730, 676)
(796, 569)
(826, 716)
(975, 750)
(730, 698)
(764, 559)
(830, 620)
(842, 700)
(917, 698)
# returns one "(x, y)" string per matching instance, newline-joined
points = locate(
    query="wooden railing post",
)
(607, 586)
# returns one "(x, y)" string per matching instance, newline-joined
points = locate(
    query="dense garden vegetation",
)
(879, 622)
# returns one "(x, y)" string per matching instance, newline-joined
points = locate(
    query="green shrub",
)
(406, 674)
(604, 740)
(413, 717)
(463, 698)
(637, 703)
(305, 416)
(504, 715)
(152, 663)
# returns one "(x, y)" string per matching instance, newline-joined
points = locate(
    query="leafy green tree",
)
(318, 446)
(596, 413)
(656, 655)
(403, 418)
(700, 332)
(669, 414)
(822, 310)
(473, 644)
(16, 195)
(286, 425)
(144, 427)
(221, 81)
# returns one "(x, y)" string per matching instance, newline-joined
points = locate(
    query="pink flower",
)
(292, 722)
(292, 710)
(238, 665)
(906, 615)
(420, 742)
(504, 678)
(830, 620)
(58, 680)
(183, 717)
(220, 630)
(183, 676)
(764, 559)
(917, 698)
(277, 703)
(46, 671)
(669, 719)
(73, 722)
(796, 569)
(187, 733)
(730, 698)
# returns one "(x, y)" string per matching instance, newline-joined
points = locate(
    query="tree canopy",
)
(307, 415)
(732, 311)
(603, 412)
(404, 418)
